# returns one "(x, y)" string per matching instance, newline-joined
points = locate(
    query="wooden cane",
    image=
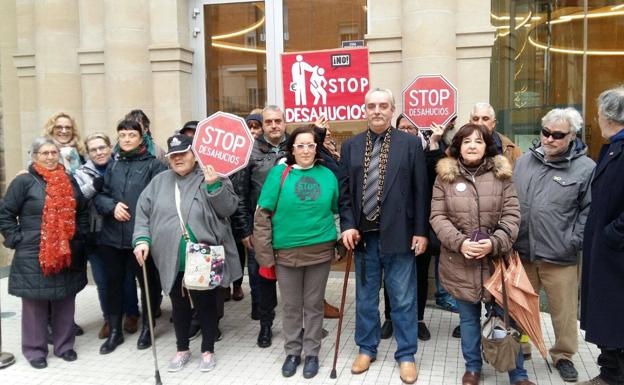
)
(341, 315)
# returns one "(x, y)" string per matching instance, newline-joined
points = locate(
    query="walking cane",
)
(151, 325)
(341, 315)
(6, 359)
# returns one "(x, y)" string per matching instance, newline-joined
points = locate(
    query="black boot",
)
(115, 336)
(265, 336)
(145, 338)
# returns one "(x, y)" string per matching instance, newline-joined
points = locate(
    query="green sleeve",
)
(146, 239)
(214, 186)
(271, 187)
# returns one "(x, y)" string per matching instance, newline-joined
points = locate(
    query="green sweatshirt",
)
(305, 206)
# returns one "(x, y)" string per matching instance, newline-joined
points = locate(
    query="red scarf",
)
(58, 222)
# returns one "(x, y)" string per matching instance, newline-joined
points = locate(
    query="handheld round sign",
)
(223, 141)
(430, 99)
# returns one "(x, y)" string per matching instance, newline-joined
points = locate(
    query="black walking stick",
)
(341, 315)
(6, 359)
(151, 324)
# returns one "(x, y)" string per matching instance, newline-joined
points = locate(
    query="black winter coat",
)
(20, 223)
(248, 183)
(124, 181)
(602, 286)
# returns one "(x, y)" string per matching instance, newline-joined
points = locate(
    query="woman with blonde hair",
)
(62, 129)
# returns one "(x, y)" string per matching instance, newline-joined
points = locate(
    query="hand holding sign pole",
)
(222, 143)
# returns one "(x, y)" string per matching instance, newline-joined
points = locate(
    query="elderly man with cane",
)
(384, 210)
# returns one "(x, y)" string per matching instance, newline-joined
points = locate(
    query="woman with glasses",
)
(43, 216)
(62, 129)
(295, 231)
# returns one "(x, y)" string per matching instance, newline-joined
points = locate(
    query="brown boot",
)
(330, 311)
(471, 378)
(361, 364)
(131, 324)
(237, 293)
(408, 372)
(104, 331)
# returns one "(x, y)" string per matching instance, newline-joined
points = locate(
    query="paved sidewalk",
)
(240, 361)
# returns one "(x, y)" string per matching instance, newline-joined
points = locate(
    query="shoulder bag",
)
(205, 264)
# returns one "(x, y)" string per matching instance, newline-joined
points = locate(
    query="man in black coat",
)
(602, 288)
(384, 209)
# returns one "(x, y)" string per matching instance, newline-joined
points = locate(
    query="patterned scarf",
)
(58, 222)
(383, 161)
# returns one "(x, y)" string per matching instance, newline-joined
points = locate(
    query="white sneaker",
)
(207, 362)
(178, 361)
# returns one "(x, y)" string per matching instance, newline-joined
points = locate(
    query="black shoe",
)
(78, 330)
(70, 355)
(566, 370)
(264, 337)
(310, 367)
(386, 329)
(158, 313)
(39, 363)
(145, 338)
(115, 335)
(423, 332)
(290, 365)
(255, 312)
(194, 331)
(218, 335)
(457, 332)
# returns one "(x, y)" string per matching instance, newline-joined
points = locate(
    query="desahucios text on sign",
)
(329, 83)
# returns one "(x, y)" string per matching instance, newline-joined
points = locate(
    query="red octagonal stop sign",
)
(430, 99)
(223, 141)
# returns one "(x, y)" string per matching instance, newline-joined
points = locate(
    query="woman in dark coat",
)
(124, 181)
(602, 287)
(44, 218)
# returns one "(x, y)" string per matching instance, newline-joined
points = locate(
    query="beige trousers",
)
(561, 286)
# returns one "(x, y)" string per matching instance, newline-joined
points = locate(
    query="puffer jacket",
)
(20, 223)
(463, 203)
(124, 181)
(554, 204)
(249, 181)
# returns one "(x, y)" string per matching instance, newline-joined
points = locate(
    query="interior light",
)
(241, 32)
(575, 51)
(237, 47)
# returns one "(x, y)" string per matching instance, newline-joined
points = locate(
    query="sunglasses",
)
(555, 135)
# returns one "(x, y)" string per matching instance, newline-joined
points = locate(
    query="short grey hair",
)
(611, 104)
(272, 107)
(38, 142)
(383, 90)
(569, 115)
(483, 106)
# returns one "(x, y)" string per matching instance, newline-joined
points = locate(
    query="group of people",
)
(395, 196)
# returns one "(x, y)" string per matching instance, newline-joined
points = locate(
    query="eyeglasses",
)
(305, 146)
(63, 128)
(47, 154)
(95, 150)
(555, 134)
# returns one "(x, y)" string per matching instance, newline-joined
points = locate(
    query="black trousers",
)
(268, 300)
(611, 362)
(422, 288)
(242, 252)
(205, 303)
(120, 261)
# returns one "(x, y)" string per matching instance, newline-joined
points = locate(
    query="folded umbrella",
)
(523, 303)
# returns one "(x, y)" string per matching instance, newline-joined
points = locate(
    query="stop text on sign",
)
(430, 99)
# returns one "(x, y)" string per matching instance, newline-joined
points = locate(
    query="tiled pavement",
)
(240, 361)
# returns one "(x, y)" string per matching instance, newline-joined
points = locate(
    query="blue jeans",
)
(470, 323)
(399, 274)
(130, 301)
(441, 292)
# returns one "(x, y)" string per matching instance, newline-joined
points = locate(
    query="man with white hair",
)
(553, 182)
(483, 113)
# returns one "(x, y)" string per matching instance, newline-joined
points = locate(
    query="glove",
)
(98, 183)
